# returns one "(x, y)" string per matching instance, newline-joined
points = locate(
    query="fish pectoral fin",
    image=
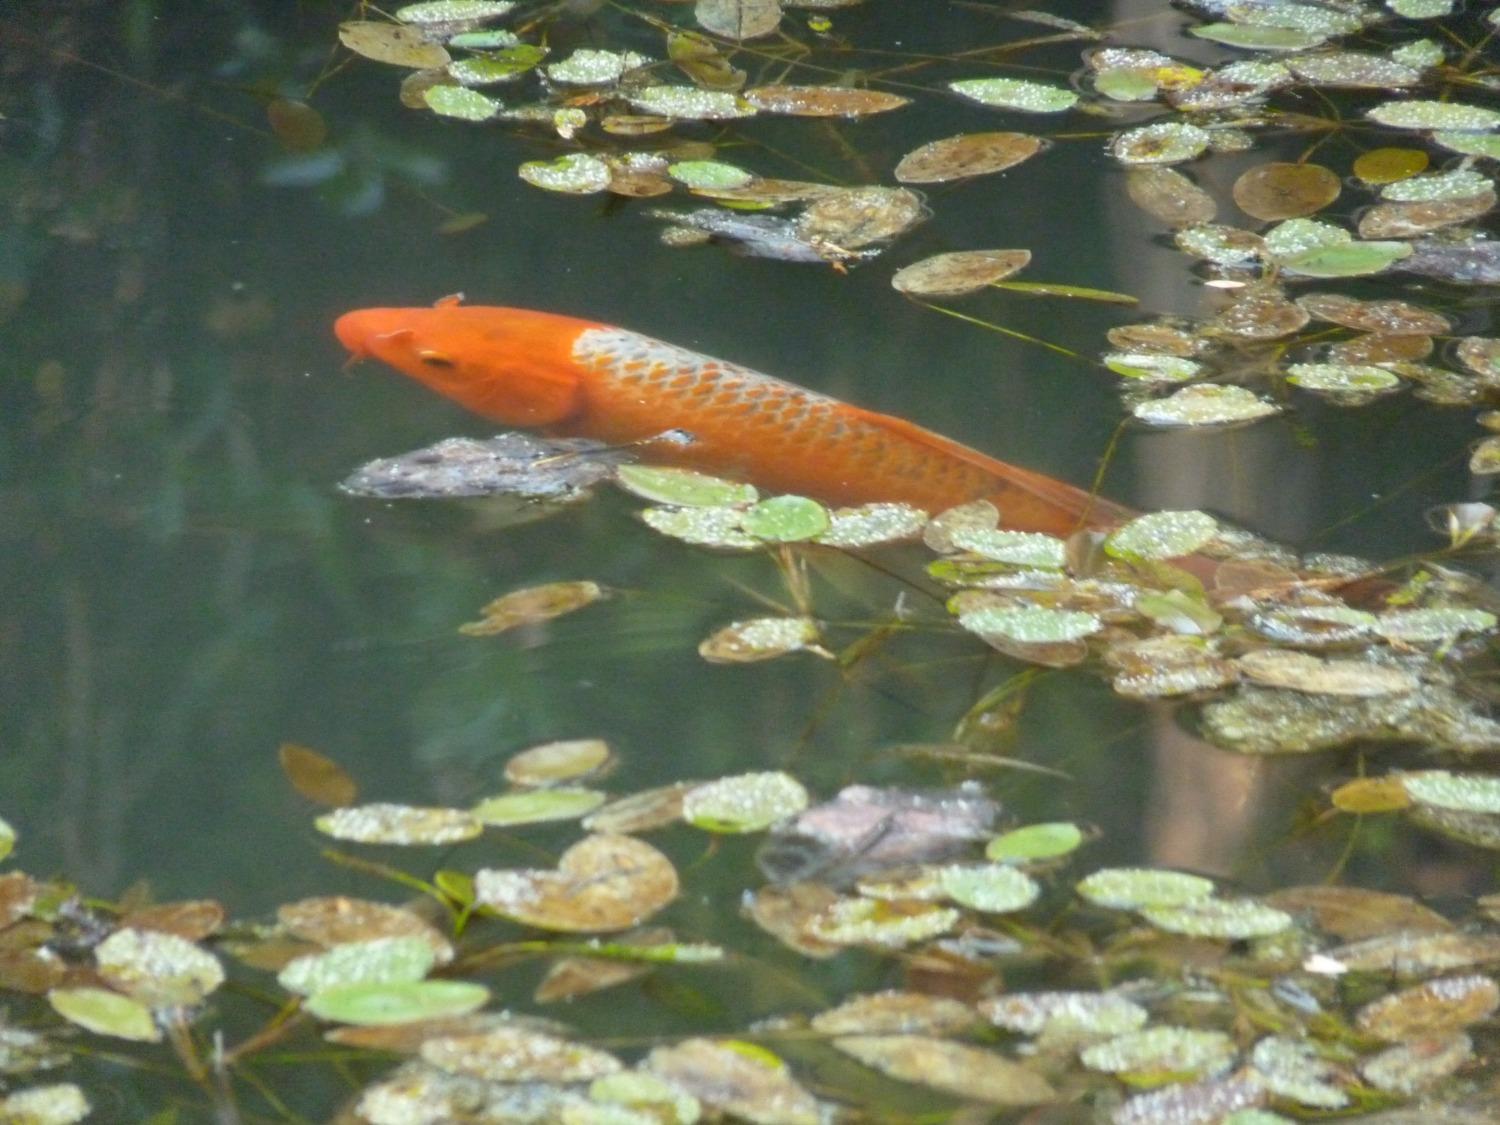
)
(1023, 496)
(534, 397)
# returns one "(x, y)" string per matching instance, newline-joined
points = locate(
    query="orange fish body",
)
(579, 378)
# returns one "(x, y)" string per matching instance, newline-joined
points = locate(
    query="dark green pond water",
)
(185, 589)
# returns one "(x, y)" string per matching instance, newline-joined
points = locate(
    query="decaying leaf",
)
(602, 883)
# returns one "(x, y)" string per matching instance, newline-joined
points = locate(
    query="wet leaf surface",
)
(969, 1072)
(968, 154)
(602, 883)
(959, 272)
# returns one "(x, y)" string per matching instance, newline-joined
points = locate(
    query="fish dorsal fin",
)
(1026, 499)
(452, 300)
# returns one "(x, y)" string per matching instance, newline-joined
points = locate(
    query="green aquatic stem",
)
(392, 874)
(1013, 333)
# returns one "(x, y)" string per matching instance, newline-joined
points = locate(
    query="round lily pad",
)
(1228, 919)
(1166, 142)
(577, 173)
(1019, 548)
(785, 519)
(703, 527)
(1420, 114)
(399, 824)
(1205, 404)
(992, 888)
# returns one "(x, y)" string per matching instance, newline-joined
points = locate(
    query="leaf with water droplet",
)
(1015, 93)
(748, 802)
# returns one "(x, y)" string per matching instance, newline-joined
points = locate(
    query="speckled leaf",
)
(158, 969)
(1166, 142)
(703, 527)
(683, 487)
(383, 960)
(1435, 625)
(1015, 93)
(991, 888)
(1300, 671)
(518, 1054)
(691, 103)
(957, 1068)
(1130, 888)
(1228, 919)
(889, 925)
(336, 920)
(391, 43)
(1419, 114)
(1464, 792)
(399, 824)
(576, 173)
(1162, 535)
(59, 1104)
(760, 638)
(872, 524)
(740, 1079)
(1018, 548)
(748, 802)
(1064, 1013)
(1409, 1068)
(454, 11)
(590, 67)
(1205, 404)
(895, 1013)
(856, 217)
(823, 101)
(959, 272)
(1162, 1051)
(968, 154)
(602, 883)
(1291, 1068)
(1431, 1008)
(1031, 624)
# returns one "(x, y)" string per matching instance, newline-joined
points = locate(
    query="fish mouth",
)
(353, 335)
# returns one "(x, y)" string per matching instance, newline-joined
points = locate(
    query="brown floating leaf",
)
(392, 43)
(1261, 312)
(823, 101)
(1395, 318)
(1371, 795)
(318, 778)
(1411, 953)
(641, 812)
(18, 893)
(298, 126)
(859, 216)
(552, 762)
(968, 154)
(959, 272)
(1379, 347)
(1405, 219)
(1409, 1068)
(1300, 671)
(896, 1013)
(1156, 339)
(738, 19)
(602, 883)
(1352, 913)
(740, 1079)
(192, 921)
(788, 912)
(531, 606)
(518, 1054)
(572, 977)
(969, 1072)
(1195, 1103)
(1168, 195)
(1276, 191)
(1430, 1008)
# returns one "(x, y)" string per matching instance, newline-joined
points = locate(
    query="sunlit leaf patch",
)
(1205, 404)
(1460, 183)
(702, 526)
(1418, 113)
(748, 802)
(382, 960)
(708, 175)
(690, 103)
(158, 969)
(1299, 671)
(969, 1072)
(968, 154)
(1015, 93)
(1019, 548)
(1458, 791)
(683, 487)
(1166, 142)
(537, 806)
(1181, 1051)
(518, 1054)
(1354, 69)
(1291, 1068)
(786, 519)
(384, 823)
(576, 173)
(823, 101)
(992, 889)
(1342, 381)
(759, 638)
(891, 925)
(1060, 1014)
(959, 272)
(1443, 624)
(1433, 1007)
(374, 1005)
(1223, 245)
(554, 762)
(1150, 368)
(736, 1078)
(1130, 888)
(1030, 624)
(453, 11)
(602, 883)
(59, 1104)
(1162, 535)
(1227, 919)
(871, 525)
(1409, 1068)
(392, 43)
(590, 67)
(895, 1012)
(858, 217)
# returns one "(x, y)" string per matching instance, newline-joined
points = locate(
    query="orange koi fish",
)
(578, 378)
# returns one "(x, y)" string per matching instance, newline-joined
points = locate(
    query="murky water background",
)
(184, 588)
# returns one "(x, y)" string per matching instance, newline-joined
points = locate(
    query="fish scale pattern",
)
(780, 434)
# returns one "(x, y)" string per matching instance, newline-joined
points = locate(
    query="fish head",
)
(511, 365)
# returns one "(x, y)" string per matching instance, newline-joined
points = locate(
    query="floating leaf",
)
(518, 1054)
(496, 66)
(318, 778)
(1162, 535)
(823, 101)
(1259, 38)
(1168, 195)
(1166, 142)
(1161, 1051)
(748, 802)
(1130, 888)
(1389, 317)
(337, 920)
(1064, 1013)
(872, 524)
(1356, 912)
(1410, 953)
(1387, 165)
(968, 154)
(1228, 919)
(59, 1104)
(602, 883)
(159, 969)
(537, 806)
(738, 19)
(1353, 70)
(1228, 1100)
(298, 126)
(959, 272)
(552, 762)
(374, 1005)
(383, 960)
(1409, 1068)
(759, 638)
(888, 925)
(1431, 1008)
(1418, 114)
(857, 217)
(691, 103)
(1459, 183)
(641, 1092)
(1470, 144)
(895, 1013)
(1204, 404)
(1035, 842)
(105, 1013)
(1291, 1068)
(1225, 246)
(641, 812)
(392, 43)
(1275, 191)
(577, 173)
(1458, 791)
(1151, 368)
(704, 527)
(532, 606)
(1015, 93)
(786, 519)
(957, 1068)
(454, 11)
(1439, 624)
(399, 824)
(1301, 672)
(1031, 624)
(683, 487)
(708, 176)
(739, 1079)
(7, 842)
(992, 888)
(1161, 667)
(1019, 548)
(589, 67)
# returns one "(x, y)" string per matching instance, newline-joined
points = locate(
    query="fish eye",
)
(435, 359)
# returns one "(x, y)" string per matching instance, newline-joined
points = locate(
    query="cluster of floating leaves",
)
(1168, 996)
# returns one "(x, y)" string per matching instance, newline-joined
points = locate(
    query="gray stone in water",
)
(512, 464)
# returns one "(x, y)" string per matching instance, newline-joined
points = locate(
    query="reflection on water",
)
(187, 589)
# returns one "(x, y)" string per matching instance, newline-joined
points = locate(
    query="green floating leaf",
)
(537, 806)
(7, 838)
(1291, 1068)
(59, 1104)
(640, 1092)
(1031, 624)
(105, 1013)
(1460, 183)
(1438, 624)
(1349, 259)
(1205, 404)
(1152, 368)
(399, 824)
(1463, 792)
(454, 11)
(1162, 535)
(683, 487)
(691, 103)
(386, 960)
(1019, 548)
(577, 173)
(497, 66)
(888, 925)
(709, 175)
(1015, 93)
(748, 802)
(1421, 9)
(1419, 114)
(993, 888)
(1038, 1013)
(589, 67)
(371, 1005)
(786, 519)
(1259, 38)
(156, 968)
(872, 524)
(1342, 378)
(1035, 842)
(1130, 888)
(1161, 1051)
(1228, 919)
(1470, 144)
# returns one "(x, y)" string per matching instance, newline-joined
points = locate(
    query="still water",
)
(185, 588)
